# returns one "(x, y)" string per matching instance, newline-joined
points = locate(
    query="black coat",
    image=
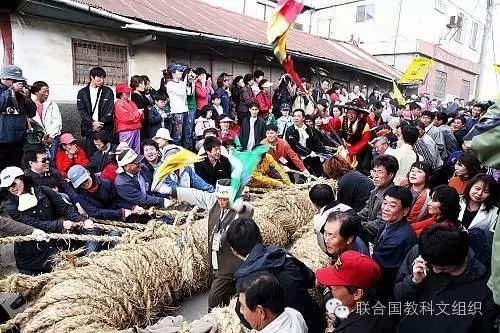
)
(210, 173)
(13, 113)
(45, 215)
(313, 143)
(105, 108)
(356, 323)
(259, 131)
(100, 159)
(295, 278)
(145, 104)
(469, 287)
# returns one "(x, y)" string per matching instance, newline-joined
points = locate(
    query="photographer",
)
(16, 107)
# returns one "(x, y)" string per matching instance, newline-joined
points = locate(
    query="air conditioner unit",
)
(298, 26)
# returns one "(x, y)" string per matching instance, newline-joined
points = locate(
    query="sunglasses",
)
(44, 160)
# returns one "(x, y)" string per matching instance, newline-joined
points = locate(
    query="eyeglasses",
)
(44, 160)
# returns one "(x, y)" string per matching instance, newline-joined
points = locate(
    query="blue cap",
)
(175, 67)
(12, 72)
(285, 106)
(77, 175)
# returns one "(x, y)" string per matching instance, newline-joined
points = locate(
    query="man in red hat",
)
(351, 280)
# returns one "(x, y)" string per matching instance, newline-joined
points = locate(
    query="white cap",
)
(162, 133)
(8, 175)
(127, 156)
(223, 188)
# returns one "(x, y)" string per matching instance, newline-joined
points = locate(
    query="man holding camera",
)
(16, 107)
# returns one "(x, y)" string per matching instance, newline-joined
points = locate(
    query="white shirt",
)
(290, 321)
(93, 101)
(178, 96)
(406, 156)
(251, 136)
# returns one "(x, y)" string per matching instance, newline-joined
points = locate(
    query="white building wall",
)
(42, 48)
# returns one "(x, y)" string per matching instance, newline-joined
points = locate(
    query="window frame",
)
(365, 17)
(440, 75)
(440, 6)
(466, 95)
(474, 34)
(461, 32)
(102, 61)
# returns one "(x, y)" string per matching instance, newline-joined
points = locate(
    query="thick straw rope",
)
(137, 281)
(30, 238)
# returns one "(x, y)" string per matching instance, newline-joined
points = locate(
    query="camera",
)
(25, 84)
(191, 75)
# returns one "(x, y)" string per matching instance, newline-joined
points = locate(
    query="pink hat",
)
(123, 88)
(66, 138)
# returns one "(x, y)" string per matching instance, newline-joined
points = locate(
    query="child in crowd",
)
(203, 122)
(159, 115)
(216, 106)
(285, 121)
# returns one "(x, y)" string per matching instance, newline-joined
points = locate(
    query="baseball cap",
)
(163, 133)
(66, 138)
(123, 88)
(8, 175)
(226, 119)
(127, 156)
(175, 67)
(77, 175)
(285, 106)
(12, 72)
(351, 269)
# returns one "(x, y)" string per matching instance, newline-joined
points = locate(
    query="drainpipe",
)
(6, 33)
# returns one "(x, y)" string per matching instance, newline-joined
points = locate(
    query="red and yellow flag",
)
(279, 25)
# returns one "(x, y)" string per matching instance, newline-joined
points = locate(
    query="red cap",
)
(123, 88)
(351, 269)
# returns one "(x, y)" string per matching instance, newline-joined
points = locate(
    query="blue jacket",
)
(156, 121)
(294, 277)
(225, 100)
(195, 181)
(13, 122)
(392, 245)
(103, 203)
(129, 190)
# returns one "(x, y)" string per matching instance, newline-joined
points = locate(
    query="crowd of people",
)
(412, 220)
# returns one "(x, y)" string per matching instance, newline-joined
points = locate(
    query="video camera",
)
(25, 84)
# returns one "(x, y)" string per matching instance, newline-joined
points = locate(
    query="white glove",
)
(80, 209)
(239, 205)
(306, 172)
(286, 169)
(313, 154)
(40, 235)
(164, 115)
(68, 225)
(88, 224)
(126, 213)
(166, 203)
(138, 210)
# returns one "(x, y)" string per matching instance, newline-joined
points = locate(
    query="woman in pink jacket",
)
(128, 118)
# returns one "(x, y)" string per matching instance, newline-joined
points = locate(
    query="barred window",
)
(465, 89)
(112, 58)
(440, 88)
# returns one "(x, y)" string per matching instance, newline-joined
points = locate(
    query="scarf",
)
(303, 136)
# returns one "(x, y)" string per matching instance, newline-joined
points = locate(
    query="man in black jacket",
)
(95, 104)
(214, 166)
(253, 128)
(244, 237)
(105, 153)
(447, 283)
(16, 107)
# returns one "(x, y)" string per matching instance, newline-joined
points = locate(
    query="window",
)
(264, 11)
(460, 34)
(325, 28)
(465, 89)
(112, 58)
(473, 36)
(440, 6)
(365, 13)
(440, 89)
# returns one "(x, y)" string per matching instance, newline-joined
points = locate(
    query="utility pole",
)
(484, 49)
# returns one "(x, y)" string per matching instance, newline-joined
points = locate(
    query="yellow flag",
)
(397, 94)
(416, 71)
(177, 161)
(497, 68)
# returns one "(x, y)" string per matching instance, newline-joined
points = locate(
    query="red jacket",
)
(63, 162)
(109, 172)
(127, 117)
(201, 95)
(265, 104)
(283, 150)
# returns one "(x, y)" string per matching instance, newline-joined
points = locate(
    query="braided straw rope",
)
(136, 282)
